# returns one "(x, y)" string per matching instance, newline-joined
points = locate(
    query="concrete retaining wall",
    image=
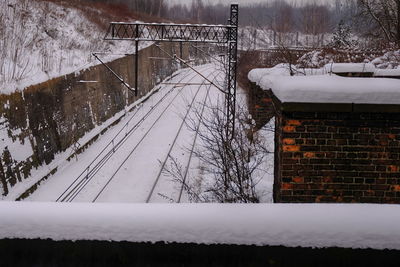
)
(50, 117)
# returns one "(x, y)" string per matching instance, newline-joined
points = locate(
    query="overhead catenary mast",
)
(193, 33)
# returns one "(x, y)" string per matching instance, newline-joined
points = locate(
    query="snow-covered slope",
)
(42, 40)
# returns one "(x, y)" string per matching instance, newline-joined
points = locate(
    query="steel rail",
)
(85, 182)
(173, 143)
(89, 171)
(138, 144)
(194, 144)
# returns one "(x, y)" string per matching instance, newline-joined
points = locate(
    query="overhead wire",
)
(193, 144)
(137, 145)
(90, 172)
(188, 65)
(173, 143)
(115, 74)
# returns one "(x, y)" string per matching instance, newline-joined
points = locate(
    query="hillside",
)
(43, 39)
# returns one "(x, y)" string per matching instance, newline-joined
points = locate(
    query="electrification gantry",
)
(226, 35)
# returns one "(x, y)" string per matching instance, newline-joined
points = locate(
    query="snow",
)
(283, 69)
(265, 176)
(19, 149)
(60, 160)
(321, 57)
(332, 89)
(390, 60)
(387, 73)
(279, 70)
(132, 180)
(257, 38)
(316, 86)
(305, 225)
(44, 40)
(350, 67)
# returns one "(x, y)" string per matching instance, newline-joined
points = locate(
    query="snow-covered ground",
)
(306, 225)
(42, 40)
(145, 138)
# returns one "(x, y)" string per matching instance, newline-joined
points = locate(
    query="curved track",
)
(174, 149)
(128, 167)
(115, 144)
(156, 186)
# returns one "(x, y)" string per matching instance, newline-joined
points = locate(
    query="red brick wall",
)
(337, 157)
(260, 106)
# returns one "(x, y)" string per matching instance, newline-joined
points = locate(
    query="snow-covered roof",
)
(350, 67)
(328, 88)
(306, 225)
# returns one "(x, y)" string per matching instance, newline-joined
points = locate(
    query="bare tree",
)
(386, 15)
(315, 19)
(229, 168)
(3, 180)
(197, 8)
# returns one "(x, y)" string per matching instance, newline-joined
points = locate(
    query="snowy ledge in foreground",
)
(305, 225)
(327, 88)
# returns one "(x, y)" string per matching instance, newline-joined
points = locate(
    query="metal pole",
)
(181, 51)
(137, 61)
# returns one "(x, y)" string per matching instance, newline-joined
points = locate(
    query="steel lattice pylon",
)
(232, 70)
(217, 34)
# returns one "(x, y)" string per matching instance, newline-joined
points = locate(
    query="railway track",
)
(101, 161)
(173, 145)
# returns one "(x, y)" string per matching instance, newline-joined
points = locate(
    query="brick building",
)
(335, 145)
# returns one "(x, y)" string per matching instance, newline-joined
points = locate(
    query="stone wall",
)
(48, 118)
